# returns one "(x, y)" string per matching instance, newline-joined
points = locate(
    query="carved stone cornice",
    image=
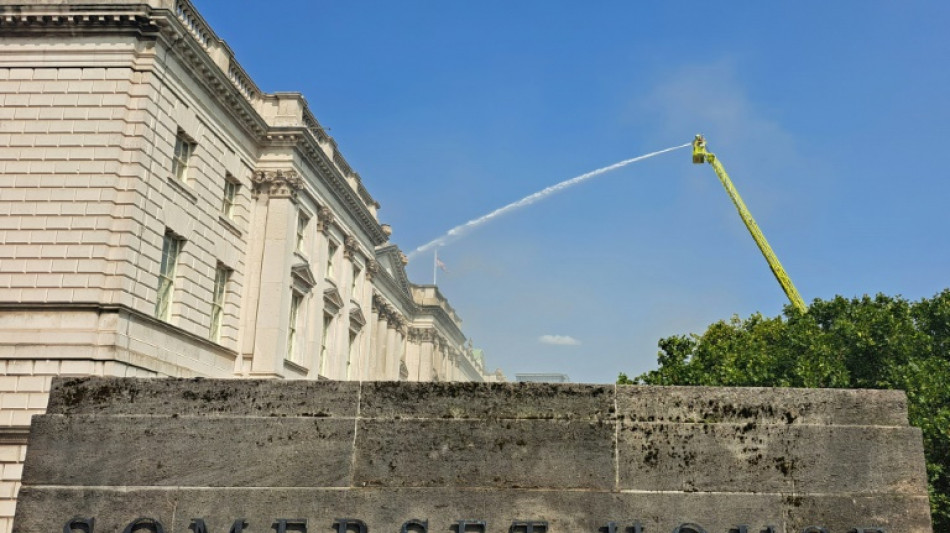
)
(420, 335)
(336, 181)
(303, 277)
(357, 320)
(325, 219)
(332, 301)
(277, 183)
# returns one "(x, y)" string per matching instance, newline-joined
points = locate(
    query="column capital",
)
(277, 183)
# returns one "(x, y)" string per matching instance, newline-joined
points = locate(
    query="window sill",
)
(297, 367)
(182, 188)
(230, 226)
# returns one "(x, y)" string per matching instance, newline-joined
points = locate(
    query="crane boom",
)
(701, 155)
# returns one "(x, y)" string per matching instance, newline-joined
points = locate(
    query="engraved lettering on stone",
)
(148, 524)
(814, 529)
(419, 526)
(635, 527)
(867, 530)
(343, 525)
(463, 526)
(689, 528)
(86, 525)
(283, 525)
(528, 526)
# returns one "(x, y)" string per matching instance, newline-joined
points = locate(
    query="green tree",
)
(880, 343)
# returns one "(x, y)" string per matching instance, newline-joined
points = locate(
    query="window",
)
(324, 342)
(222, 275)
(352, 354)
(301, 232)
(171, 248)
(355, 287)
(295, 300)
(231, 187)
(184, 148)
(331, 254)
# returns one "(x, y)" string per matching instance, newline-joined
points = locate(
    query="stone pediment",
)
(332, 299)
(303, 276)
(357, 318)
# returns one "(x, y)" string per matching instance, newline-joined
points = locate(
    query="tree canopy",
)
(882, 342)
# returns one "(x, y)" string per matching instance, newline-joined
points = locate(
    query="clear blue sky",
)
(833, 119)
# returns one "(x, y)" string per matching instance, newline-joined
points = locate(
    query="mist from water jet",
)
(459, 231)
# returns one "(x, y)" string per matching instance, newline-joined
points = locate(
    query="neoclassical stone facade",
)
(162, 216)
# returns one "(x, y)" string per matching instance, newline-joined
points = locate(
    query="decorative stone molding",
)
(303, 277)
(357, 320)
(278, 183)
(403, 258)
(332, 301)
(420, 335)
(350, 247)
(378, 304)
(325, 219)
(372, 268)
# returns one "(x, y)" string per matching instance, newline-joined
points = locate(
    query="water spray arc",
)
(460, 230)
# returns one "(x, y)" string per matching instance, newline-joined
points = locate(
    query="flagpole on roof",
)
(435, 264)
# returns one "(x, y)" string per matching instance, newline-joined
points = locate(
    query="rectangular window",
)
(295, 300)
(231, 187)
(352, 354)
(301, 232)
(184, 148)
(222, 275)
(171, 248)
(331, 254)
(324, 342)
(355, 287)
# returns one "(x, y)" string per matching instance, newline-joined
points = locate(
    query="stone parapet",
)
(347, 456)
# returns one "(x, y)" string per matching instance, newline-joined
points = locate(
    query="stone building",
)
(162, 216)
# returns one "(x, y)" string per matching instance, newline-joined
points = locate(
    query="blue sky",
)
(832, 118)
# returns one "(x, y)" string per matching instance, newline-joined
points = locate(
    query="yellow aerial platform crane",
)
(700, 156)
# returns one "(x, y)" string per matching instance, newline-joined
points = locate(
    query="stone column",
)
(270, 336)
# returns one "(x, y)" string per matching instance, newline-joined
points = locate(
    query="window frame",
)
(222, 277)
(172, 245)
(300, 238)
(230, 196)
(355, 287)
(293, 326)
(182, 154)
(325, 342)
(332, 249)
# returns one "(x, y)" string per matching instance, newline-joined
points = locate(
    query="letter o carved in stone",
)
(689, 528)
(147, 523)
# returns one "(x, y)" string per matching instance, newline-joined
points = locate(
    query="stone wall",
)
(319, 456)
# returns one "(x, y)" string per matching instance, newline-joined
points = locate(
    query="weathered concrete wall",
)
(578, 457)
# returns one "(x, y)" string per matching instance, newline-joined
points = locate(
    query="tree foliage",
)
(878, 343)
